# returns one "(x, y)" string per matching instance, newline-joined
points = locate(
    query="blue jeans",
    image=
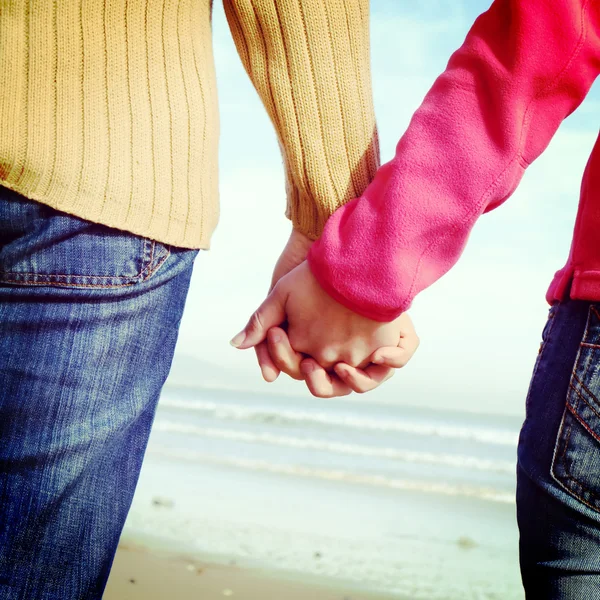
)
(558, 472)
(89, 317)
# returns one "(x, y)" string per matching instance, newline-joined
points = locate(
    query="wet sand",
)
(142, 574)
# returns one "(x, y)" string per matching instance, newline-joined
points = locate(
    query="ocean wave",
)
(447, 460)
(239, 412)
(340, 475)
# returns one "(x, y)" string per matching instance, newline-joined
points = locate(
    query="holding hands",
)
(301, 331)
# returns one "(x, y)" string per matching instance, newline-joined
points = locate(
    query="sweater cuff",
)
(307, 216)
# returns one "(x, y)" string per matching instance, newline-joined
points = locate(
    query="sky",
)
(480, 324)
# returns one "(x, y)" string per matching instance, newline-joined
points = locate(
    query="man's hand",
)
(293, 254)
(329, 333)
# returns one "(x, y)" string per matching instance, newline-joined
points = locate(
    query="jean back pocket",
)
(576, 461)
(43, 246)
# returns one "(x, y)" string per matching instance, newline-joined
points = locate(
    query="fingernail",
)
(378, 360)
(307, 367)
(276, 337)
(236, 342)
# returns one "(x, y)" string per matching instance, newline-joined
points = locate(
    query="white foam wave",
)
(447, 460)
(335, 475)
(290, 417)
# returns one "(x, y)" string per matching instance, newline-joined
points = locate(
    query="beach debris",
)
(466, 542)
(192, 568)
(227, 592)
(132, 581)
(317, 555)
(163, 502)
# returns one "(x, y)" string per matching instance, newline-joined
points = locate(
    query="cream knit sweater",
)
(108, 108)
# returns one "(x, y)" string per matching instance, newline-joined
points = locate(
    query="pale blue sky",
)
(480, 324)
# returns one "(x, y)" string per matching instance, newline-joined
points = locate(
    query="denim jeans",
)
(89, 317)
(558, 472)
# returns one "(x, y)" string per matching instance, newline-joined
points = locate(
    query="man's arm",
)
(310, 63)
(523, 68)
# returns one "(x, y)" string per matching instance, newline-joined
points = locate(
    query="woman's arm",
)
(525, 65)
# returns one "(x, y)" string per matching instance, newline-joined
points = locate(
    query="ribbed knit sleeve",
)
(310, 63)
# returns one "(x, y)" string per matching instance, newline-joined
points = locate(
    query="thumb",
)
(269, 314)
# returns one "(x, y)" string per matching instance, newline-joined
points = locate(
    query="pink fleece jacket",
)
(525, 65)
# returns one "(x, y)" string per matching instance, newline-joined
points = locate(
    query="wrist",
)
(300, 241)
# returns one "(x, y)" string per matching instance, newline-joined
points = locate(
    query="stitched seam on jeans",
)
(565, 438)
(574, 388)
(70, 275)
(570, 476)
(141, 275)
(582, 384)
(582, 422)
(136, 279)
(147, 264)
(64, 283)
(572, 408)
(564, 452)
(162, 260)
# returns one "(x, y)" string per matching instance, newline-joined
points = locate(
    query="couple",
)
(108, 148)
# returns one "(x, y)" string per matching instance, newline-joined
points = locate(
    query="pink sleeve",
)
(524, 66)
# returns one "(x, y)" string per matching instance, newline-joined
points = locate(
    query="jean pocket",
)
(576, 461)
(43, 246)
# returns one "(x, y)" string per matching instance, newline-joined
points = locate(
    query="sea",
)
(415, 503)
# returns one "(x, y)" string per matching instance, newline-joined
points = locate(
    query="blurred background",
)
(408, 490)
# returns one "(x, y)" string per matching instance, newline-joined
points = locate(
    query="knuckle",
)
(353, 359)
(328, 354)
(326, 357)
(255, 323)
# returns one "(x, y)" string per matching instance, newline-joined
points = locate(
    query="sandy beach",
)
(265, 497)
(142, 574)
